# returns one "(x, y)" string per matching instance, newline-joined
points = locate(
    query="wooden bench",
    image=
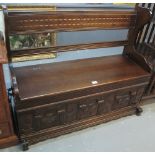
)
(58, 98)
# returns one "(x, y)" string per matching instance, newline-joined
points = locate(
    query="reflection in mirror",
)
(30, 41)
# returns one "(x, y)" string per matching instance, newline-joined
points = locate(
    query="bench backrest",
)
(23, 22)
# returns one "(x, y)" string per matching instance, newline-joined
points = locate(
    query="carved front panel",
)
(41, 118)
(87, 108)
(71, 112)
(66, 113)
(25, 122)
(104, 105)
(49, 117)
(122, 100)
(140, 93)
(127, 98)
(45, 120)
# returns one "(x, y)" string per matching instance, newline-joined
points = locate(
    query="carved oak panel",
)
(127, 98)
(87, 107)
(65, 113)
(25, 122)
(70, 20)
(104, 105)
(71, 112)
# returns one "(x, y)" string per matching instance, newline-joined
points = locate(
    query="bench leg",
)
(139, 110)
(25, 145)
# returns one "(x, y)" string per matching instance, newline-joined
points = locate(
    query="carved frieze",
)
(53, 116)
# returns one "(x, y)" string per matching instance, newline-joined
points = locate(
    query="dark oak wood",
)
(145, 44)
(7, 135)
(58, 98)
(68, 21)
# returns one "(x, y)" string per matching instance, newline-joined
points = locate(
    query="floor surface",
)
(132, 133)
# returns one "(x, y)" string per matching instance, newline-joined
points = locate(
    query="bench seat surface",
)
(45, 79)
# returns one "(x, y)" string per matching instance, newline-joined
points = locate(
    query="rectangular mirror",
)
(31, 41)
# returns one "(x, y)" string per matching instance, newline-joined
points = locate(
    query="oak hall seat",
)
(58, 98)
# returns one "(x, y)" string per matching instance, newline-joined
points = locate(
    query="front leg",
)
(139, 110)
(25, 145)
